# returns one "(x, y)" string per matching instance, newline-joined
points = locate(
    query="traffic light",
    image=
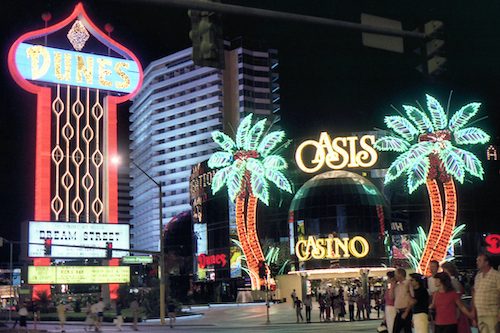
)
(262, 270)
(47, 247)
(109, 250)
(206, 35)
(434, 59)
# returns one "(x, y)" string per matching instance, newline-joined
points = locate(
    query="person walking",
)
(119, 318)
(99, 307)
(403, 294)
(486, 296)
(171, 313)
(321, 302)
(293, 297)
(450, 269)
(351, 306)
(89, 318)
(134, 308)
(446, 301)
(23, 317)
(420, 304)
(308, 305)
(298, 309)
(389, 309)
(61, 315)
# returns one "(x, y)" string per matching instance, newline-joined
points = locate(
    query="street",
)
(243, 318)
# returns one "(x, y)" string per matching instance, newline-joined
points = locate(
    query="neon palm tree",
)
(247, 167)
(429, 156)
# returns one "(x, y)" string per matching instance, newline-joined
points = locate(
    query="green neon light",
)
(249, 164)
(418, 137)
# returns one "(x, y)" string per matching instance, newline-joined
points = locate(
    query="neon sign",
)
(331, 248)
(214, 259)
(42, 63)
(339, 153)
(493, 242)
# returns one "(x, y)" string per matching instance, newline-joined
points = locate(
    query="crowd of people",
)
(416, 303)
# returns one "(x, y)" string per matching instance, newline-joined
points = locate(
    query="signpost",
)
(131, 260)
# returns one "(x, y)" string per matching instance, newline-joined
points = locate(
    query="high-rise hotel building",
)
(172, 117)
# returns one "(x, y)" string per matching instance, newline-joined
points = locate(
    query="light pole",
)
(161, 263)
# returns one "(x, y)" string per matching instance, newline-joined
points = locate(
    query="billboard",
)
(78, 274)
(77, 234)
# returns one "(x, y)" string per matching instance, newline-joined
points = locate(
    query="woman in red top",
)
(446, 301)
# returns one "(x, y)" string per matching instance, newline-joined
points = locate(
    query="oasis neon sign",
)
(48, 64)
(339, 153)
(331, 248)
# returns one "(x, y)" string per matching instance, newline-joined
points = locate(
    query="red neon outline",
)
(43, 127)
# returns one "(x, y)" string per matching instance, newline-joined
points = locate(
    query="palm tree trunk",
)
(253, 238)
(242, 235)
(436, 225)
(450, 219)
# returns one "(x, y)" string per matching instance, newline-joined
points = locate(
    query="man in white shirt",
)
(486, 295)
(403, 294)
(431, 280)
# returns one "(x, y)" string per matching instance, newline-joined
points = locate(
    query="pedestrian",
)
(23, 317)
(89, 318)
(446, 301)
(171, 313)
(36, 313)
(420, 304)
(403, 294)
(321, 301)
(431, 280)
(486, 296)
(360, 309)
(61, 314)
(99, 307)
(293, 296)
(351, 306)
(134, 309)
(328, 306)
(450, 269)
(298, 309)
(308, 305)
(119, 318)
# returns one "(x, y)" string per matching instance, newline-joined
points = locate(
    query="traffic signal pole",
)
(291, 17)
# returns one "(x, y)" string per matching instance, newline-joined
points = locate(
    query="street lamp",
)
(161, 263)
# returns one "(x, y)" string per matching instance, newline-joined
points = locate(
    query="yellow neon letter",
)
(320, 158)
(365, 247)
(345, 155)
(37, 70)
(58, 66)
(84, 70)
(103, 71)
(302, 251)
(368, 153)
(344, 245)
(352, 151)
(126, 80)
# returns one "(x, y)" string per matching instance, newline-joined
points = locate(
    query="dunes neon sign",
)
(339, 153)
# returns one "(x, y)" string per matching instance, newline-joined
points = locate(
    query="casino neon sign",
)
(331, 248)
(339, 153)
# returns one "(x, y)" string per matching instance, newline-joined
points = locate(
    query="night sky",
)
(329, 81)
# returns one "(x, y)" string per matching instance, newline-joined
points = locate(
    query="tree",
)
(429, 156)
(246, 168)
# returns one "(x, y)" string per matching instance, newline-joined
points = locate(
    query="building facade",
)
(172, 118)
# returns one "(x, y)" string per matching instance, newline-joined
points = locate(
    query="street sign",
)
(137, 260)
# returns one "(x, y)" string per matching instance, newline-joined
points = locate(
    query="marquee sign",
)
(47, 64)
(77, 234)
(331, 248)
(78, 274)
(336, 154)
(79, 75)
(212, 260)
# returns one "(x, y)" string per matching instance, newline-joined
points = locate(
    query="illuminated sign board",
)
(77, 234)
(48, 64)
(331, 248)
(336, 154)
(212, 260)
(137, 260)
(78, 274)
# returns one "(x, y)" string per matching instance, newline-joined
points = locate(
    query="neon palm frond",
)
(220, 178)
(253, 138)
(417, 174)
(462, 116)
(391, 143)
(423, 123)
(453, 164)
(471, 163)
(224, 141)
(470, 136)
(401, 126)
(269, 142)
(242, 132)
(275, 162)
(438, 116)
(220, 159)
